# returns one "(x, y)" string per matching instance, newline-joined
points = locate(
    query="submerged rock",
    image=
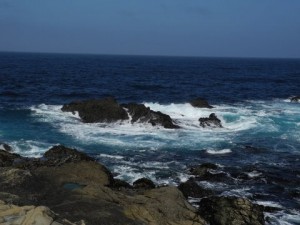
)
(101, 110)
(203, 169)
(141, 113)
(295, 99)
(231, 211)
(200, 103)
(212, 121)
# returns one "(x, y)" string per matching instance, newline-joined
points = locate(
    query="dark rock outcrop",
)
(212, 121)
(141, 113)
(60, 154)
(295, 99)
(93, 111)
(202, 169)
(200, 103)
(191, 189)
(144, 183)
(231, 211)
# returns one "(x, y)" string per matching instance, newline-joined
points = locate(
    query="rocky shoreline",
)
(66, 186)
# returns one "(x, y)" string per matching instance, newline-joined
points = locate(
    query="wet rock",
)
(203, 169)
(295, 99)
(212, 121)
(200, 103)
(143, 114)
(5, 147)
(93, 111)
(144, 183)
(191, 189)
(231, 211)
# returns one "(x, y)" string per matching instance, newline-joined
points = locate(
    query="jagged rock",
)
(200, 103)
(102, 110)
(212, 121)
(295, 99)
(144, 183)
(191, 189)
(231, 211)
(143, 114)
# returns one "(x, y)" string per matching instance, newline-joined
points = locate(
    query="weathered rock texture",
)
(231, 210)
(77, 188)
(29, 215)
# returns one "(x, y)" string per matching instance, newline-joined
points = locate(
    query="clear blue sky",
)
(238, 28)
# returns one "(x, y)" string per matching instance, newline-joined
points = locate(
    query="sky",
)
(215, 28)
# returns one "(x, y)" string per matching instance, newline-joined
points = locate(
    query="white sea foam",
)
(111, 156)
(249, 117)
(30, 148)
(291, 217)
(269, 204)
(219, 152)
(254, 174)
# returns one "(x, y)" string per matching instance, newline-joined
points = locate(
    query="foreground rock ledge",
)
(77, 188)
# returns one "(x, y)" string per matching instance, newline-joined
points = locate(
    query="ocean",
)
(257, 150)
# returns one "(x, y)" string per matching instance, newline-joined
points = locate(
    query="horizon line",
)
(148, 55)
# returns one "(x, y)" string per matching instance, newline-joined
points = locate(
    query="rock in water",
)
(200, 103)
(141, 113)
(231, 211)
(93, 111)
(202, 169)
(295, 99)
(5, 147)
(211, 121)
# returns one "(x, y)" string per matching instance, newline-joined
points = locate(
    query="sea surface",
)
(258, 150)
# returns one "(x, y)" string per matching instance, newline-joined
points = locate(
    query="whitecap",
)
(218, 152)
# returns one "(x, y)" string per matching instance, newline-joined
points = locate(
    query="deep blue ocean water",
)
(258, 149)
